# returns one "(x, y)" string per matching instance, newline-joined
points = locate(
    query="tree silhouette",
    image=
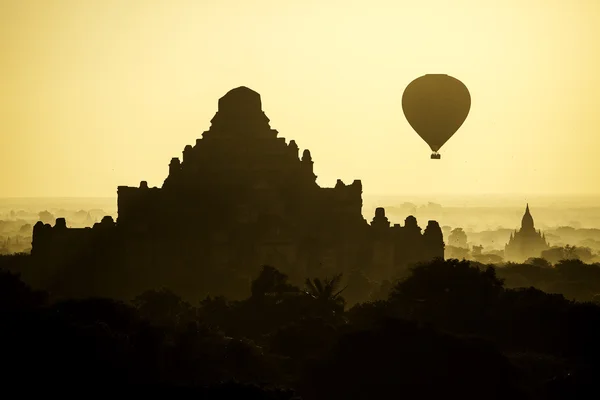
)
(458, 238)
(164, 308)
(16, 295)
(568, 252)
(272, 283)
(452, 294)
(327, 294)
(396, 356)
(538, 262)
(46, 217)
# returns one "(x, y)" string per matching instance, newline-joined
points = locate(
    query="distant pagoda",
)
(526, 242)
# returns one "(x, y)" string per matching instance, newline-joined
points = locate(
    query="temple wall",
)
(137, 204)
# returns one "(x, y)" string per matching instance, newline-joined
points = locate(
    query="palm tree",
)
(326, 294)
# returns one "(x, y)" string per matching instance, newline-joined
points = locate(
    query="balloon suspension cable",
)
(435, 155)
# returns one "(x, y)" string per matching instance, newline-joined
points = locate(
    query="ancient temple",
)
(526, 242)
(241, 197)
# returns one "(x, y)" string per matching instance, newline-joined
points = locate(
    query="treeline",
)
(553, 255)
(572, 278)
(450, 328)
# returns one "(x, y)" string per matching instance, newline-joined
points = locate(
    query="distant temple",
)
(525, 243)
(241, 197)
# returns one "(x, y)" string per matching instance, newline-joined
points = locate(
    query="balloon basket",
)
(436, 156)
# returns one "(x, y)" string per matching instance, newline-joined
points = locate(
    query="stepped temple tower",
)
(239, 198)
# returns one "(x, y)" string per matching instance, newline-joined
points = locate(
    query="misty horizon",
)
(472, 213)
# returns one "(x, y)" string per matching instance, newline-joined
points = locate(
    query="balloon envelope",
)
(436, 106)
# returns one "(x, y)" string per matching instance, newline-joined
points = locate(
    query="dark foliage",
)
(453, 294)
(398, 356)
(448, 329)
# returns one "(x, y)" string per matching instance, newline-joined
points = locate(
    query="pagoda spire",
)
(527, 221)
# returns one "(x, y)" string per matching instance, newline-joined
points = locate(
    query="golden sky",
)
(100, 93)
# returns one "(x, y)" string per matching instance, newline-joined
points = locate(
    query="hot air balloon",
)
(436, 105)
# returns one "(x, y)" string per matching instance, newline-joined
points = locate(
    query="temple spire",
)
(527, 221)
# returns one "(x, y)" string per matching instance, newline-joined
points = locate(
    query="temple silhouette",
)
(240, 198)
(526, 242)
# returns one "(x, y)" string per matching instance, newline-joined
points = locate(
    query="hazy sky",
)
(100, 93)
